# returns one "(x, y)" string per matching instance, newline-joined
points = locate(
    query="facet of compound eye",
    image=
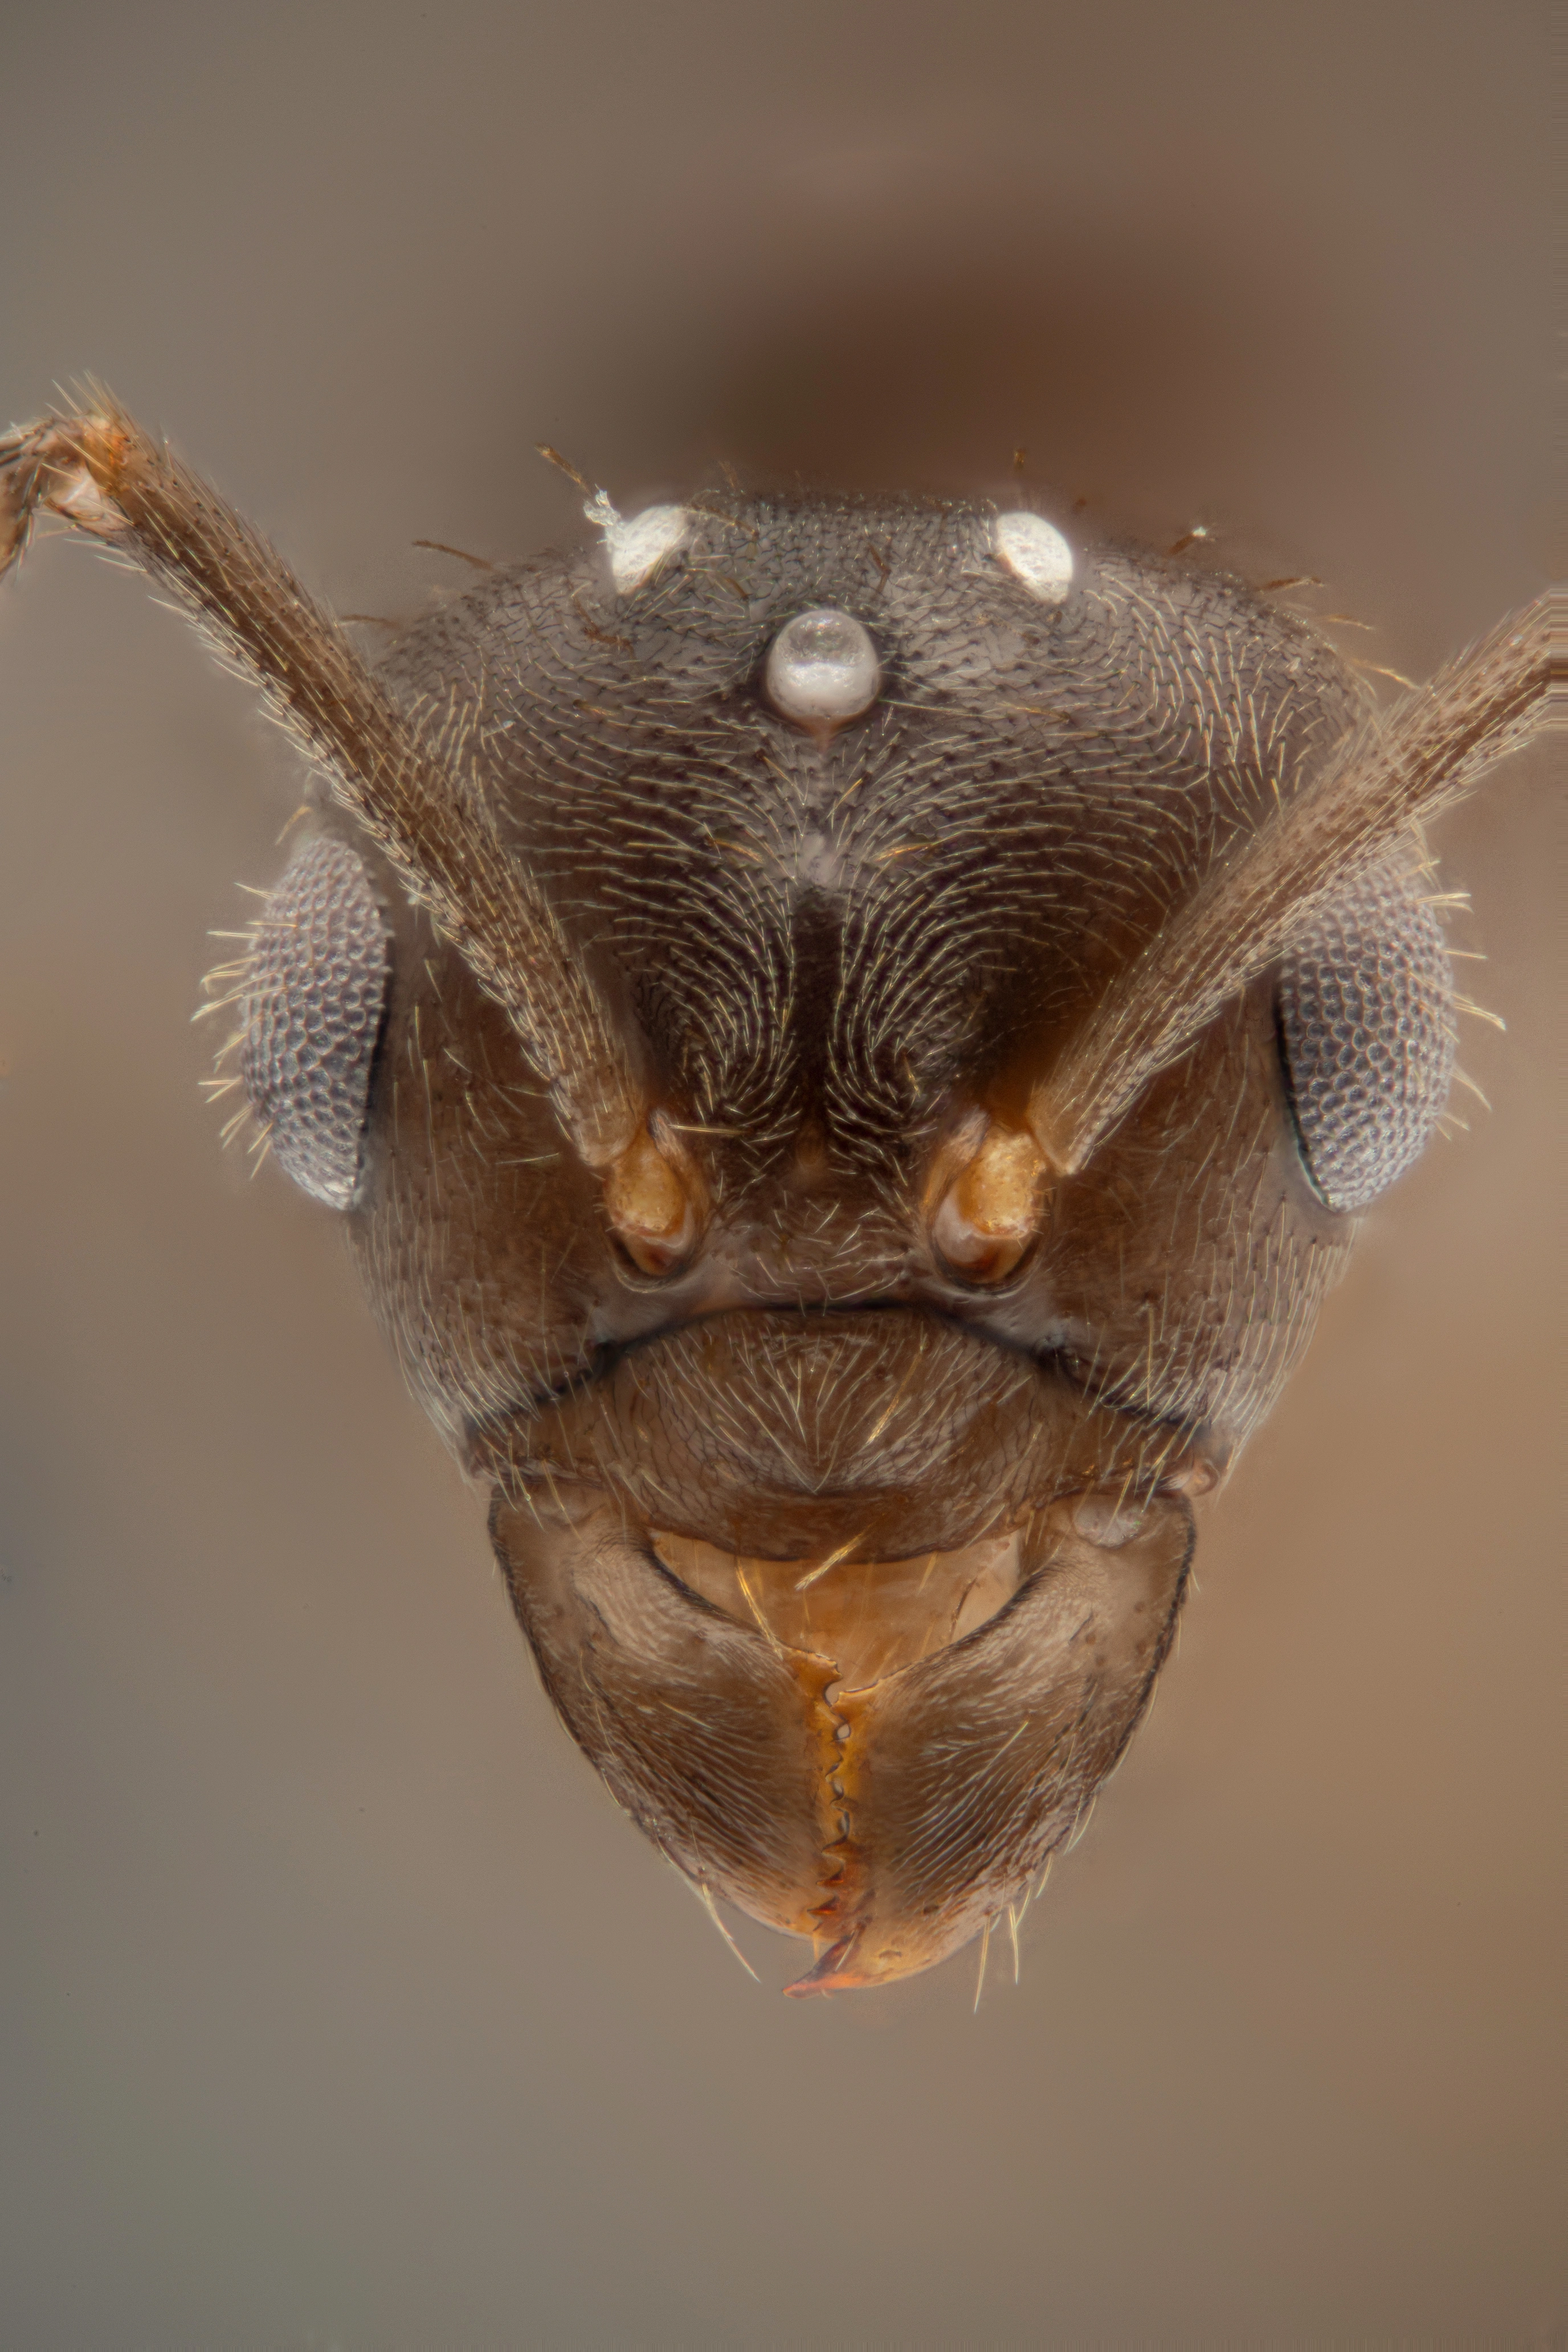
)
(637, 548)
(822, 667)
(312, 1009)
(1036, 554)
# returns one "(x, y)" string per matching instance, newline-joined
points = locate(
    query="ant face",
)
(849, 1039)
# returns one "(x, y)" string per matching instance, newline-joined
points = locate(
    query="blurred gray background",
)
(339, 2006)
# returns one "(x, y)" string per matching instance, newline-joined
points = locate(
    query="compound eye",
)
(1036, 554)
(314, 997)
(823, 668)
(1366, 1034)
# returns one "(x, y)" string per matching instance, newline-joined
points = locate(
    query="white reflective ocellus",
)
(1036, 554)
(822, 667)
(636, 547)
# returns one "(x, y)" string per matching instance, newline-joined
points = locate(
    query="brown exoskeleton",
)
(849, 1040)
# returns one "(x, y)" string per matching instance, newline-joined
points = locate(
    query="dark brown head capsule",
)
(849, 1038)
